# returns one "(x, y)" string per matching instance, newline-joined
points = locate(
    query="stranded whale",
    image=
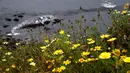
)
(35, 21)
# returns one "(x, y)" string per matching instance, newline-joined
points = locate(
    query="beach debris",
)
(108, 4)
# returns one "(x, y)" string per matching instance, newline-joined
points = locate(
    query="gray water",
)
(66, 9)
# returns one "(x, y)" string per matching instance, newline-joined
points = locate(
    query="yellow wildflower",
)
(43, 47)
(96, 58)
(13, 66)
(49, 66)
(104, 36)
(68, 42)
(91, 42)
(109, 48)
(86, 60)
(30, 60)
(94, 50)
(92, 59)
(81, 60)
(117, 12)
(116, 52)
(54, 70)
(127, 60)
(111, 40)
(75, 46)
(66, 62)
(8, 53)
(5, 42)
(91, 49)
(98, 47)
(124, 51)
(0, 48)
(61, 32)
(32, 63)
(123, 57)
(105, 55)
(124, 12)
(85, 53)
(70, 57)
(4, 60)
(128, 71)
(17, 44)
(58, 52)
(46, 41)
(126, 6)
(89, 39)
(47, 62)
(61, 57)
(61, 69)
(52, 61)
(7, 69)
(68, 35)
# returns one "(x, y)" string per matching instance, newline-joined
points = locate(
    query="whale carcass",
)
(35, 21)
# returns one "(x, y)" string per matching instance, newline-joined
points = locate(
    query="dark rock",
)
(5, 26)
(57, 21)
(47, 22)
(26, 38)
(15, 15)
(16, 19)
(20, 16)
(46, 28)
(8, 19)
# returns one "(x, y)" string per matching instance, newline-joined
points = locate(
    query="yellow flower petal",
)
(111, 40)
(66, 62)
(32, 63)
(104, 36)
(61, 32)
(30, 60)
(127, 60)
(85, 53)
(124, 12)
(58, 52)
(7, 69)
(105, 55)
(13, 66)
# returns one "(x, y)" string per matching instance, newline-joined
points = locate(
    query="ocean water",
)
(66, 9)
